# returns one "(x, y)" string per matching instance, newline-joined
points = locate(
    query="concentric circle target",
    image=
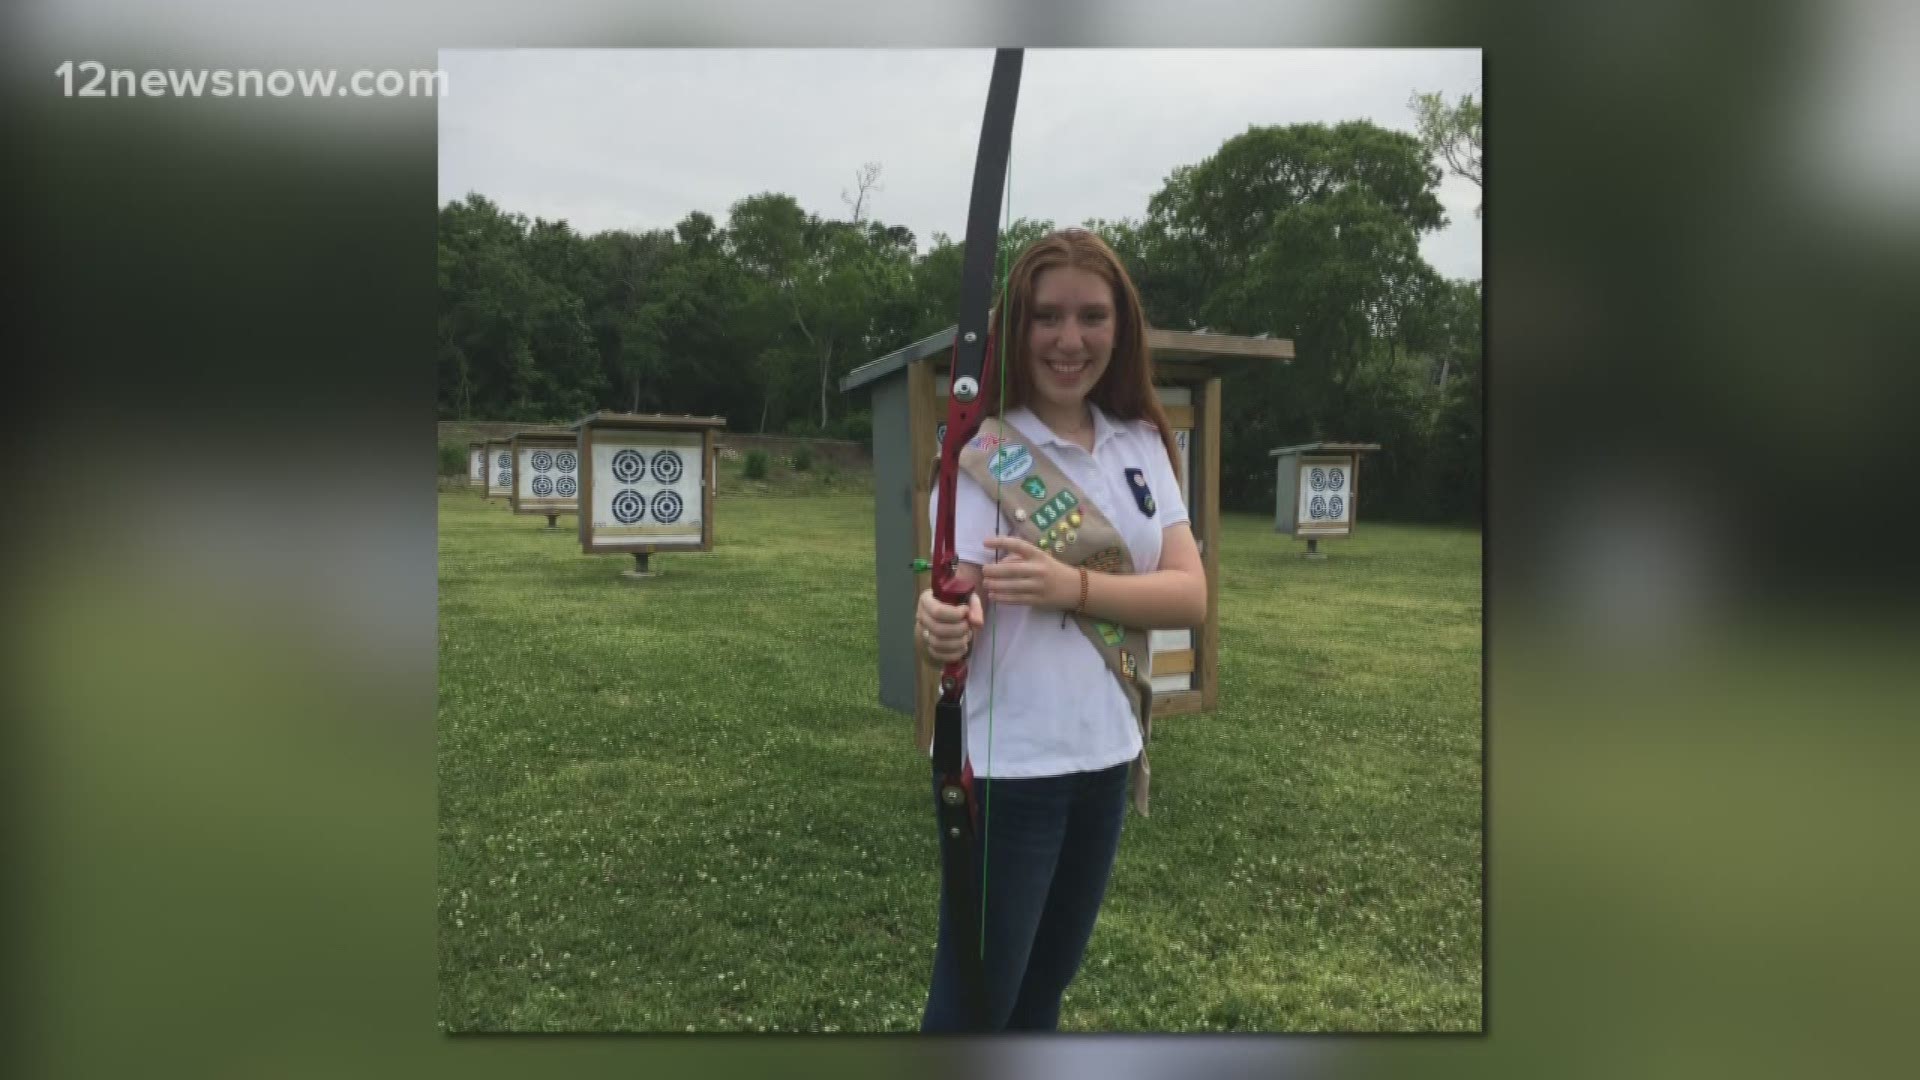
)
(629, 466)
(506, 460)
(566, 487)
(667, 469)
(1318, 507)
(1335, 506)
(542, 461)
(1336, 477)
(629, 506)
(565, 460)
(1319, 479)
(666, 507)
(506, 478)
(542, 486)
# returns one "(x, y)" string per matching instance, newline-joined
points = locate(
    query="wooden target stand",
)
(908, 389)
(1317, 491)
(546, 475)
(647, 485)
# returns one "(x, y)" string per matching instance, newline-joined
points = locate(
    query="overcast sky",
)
(636, 139)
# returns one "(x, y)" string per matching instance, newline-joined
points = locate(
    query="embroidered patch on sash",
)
(1143, 498)
(1010, 463)
(1127, 665)
(1106, 560)
(1034, 486)
(983, 441)
(1110, 633)
(1054, 509)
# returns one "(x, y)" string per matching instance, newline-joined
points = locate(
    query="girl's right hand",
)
(945, 631)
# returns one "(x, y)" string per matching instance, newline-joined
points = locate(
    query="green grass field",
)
(676, 805)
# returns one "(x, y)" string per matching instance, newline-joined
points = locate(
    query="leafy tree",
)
(1451, 133)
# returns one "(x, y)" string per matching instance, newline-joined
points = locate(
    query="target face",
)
(667, 507)
(643, 486)
(496, 469)
(629, 466)
(477, 467)
(536, 487)
(1326, 497)
(565, 460)
(629, 507)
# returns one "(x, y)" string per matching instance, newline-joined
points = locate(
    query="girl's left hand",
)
(1027, 575)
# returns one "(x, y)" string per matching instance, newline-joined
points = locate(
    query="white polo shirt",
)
(1053, 704)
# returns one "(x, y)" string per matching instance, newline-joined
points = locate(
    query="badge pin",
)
(1142, 497)
(1010, 462)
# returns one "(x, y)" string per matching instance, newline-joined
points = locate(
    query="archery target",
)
(629, 506)
(565, 461)
(541, 485)
(647, 486)
(667, 507)
(629, 466)
(499, 466)
(477, 466)
(1326, 497)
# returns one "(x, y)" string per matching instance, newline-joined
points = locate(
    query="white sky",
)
(636, 139)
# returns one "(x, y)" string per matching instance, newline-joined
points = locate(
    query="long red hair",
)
(1125, 389)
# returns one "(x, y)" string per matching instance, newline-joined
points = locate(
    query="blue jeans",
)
(1050, 845)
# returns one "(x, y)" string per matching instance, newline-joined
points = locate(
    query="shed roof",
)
(619, 419)
(1165, 344)
(1315, 447)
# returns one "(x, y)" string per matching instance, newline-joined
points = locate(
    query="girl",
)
(1069, 521)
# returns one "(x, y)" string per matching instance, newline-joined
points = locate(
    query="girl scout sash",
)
(1047, 512)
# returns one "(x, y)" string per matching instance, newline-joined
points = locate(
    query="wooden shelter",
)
(1317, 490)
(909, 390)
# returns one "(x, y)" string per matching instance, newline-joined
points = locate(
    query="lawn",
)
(676, 805)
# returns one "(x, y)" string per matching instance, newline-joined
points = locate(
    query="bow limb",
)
(974, 366)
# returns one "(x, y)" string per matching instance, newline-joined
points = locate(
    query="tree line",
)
(1309, 232)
